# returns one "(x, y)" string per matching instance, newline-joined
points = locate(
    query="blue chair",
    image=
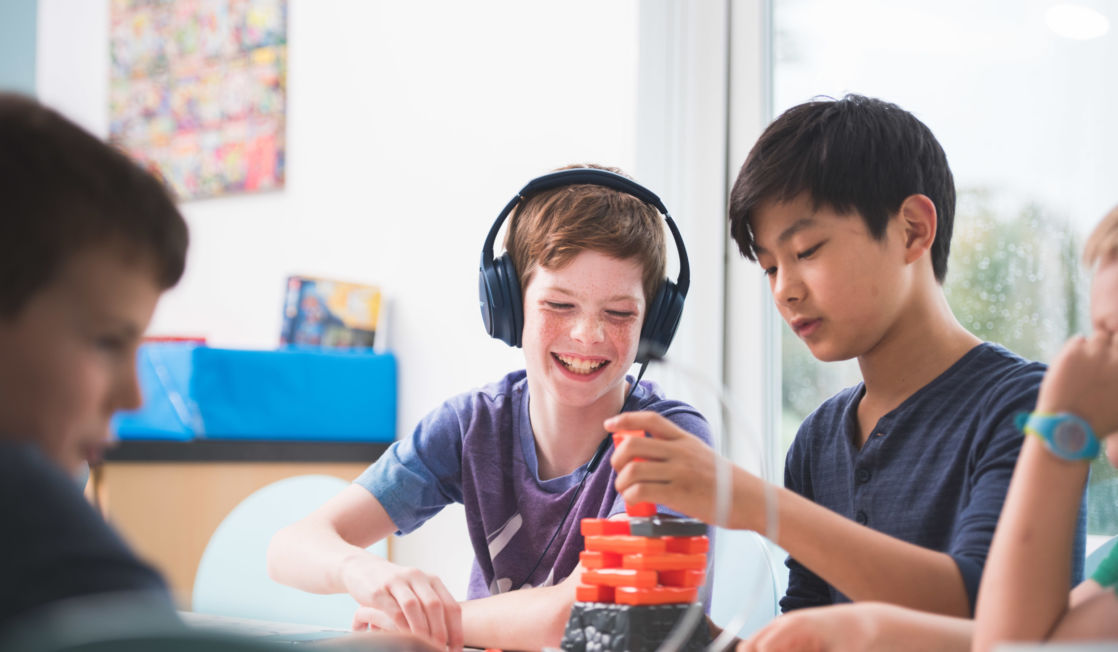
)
(749, 578)
(232, 578)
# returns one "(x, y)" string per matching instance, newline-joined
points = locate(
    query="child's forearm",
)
(528, 619)
(865, 564)
(310, 559)
(908, 629)
(1025, 586)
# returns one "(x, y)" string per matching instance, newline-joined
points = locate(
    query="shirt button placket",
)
(861, 477)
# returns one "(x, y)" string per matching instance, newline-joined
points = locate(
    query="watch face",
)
(1070, 437)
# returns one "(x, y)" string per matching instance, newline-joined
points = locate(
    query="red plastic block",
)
(599, 559)
(686, 578)
(621, 577)
(626, 544)
(658, 595)
(640, 509)
(634, 509)
(665, 561)
(594, 593)
(688, 545)
(603, 526)
(617, 436)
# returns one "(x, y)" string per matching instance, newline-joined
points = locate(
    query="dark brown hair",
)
(64, 190)
(550, 228)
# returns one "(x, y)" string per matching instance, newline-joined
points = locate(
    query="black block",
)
(666, 526)
(604, 627)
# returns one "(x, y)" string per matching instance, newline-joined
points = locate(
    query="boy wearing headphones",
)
(893, 487)
(522, 454)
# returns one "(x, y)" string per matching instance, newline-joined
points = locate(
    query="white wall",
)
(409, 125)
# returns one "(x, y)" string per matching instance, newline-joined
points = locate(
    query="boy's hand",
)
(397, 598)
(675, 469)
(1083, 380)
(822, 629)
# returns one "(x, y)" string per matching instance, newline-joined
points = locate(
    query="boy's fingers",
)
(433, 612)
(651, 422)
(647, 471)
(372, 618)
(453, 617)
(638, 447)
(412, 609)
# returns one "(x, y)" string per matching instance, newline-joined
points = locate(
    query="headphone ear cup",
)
(511, 284)
(502, 309)
(660, 323)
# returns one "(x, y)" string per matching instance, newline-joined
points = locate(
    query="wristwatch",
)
(1066, 435)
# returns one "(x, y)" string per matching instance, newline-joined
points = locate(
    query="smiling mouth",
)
(578, 365)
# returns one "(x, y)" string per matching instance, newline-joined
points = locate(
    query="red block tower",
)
(641, 576)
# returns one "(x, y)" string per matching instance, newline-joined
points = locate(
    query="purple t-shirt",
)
(478, 449)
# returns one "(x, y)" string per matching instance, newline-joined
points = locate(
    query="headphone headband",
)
(501, 307)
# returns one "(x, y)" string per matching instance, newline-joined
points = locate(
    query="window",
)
(1018, 94)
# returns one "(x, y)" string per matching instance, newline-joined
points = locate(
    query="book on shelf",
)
(329, 313)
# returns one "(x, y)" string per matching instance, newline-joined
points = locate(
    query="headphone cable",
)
(590, 468)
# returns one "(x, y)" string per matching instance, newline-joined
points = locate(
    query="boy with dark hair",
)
(894, 486)
(519, 453)
(1024, 594)
(90, 242)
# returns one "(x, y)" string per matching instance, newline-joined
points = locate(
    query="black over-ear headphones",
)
(502, 307)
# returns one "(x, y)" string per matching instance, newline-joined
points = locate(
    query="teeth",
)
(580, 366)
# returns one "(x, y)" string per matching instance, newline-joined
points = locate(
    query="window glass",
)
(1020, 95)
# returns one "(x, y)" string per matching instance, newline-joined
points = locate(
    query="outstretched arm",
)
(527, 619)
(1024, 593)
(678, 471)
(863, 627)
(325, 553)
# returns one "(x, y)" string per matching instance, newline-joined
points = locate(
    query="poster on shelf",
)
(197, 92)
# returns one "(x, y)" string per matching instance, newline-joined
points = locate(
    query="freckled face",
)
(835, 285)
(68, 358)
(581, 328)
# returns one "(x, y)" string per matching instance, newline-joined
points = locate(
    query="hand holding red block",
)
(634, 509)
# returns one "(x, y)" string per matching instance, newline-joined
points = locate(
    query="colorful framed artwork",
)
(198, 89)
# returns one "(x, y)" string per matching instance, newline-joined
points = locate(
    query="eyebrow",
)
(799, 225)
(565, 291)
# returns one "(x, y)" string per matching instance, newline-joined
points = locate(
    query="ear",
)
(919, 220)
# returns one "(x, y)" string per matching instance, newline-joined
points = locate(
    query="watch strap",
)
(1066, 435)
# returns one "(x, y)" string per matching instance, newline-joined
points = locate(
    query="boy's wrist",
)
(1065, 435)
(749, 492)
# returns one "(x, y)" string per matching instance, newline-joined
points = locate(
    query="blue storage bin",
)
(164, 370)
(295, 394)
